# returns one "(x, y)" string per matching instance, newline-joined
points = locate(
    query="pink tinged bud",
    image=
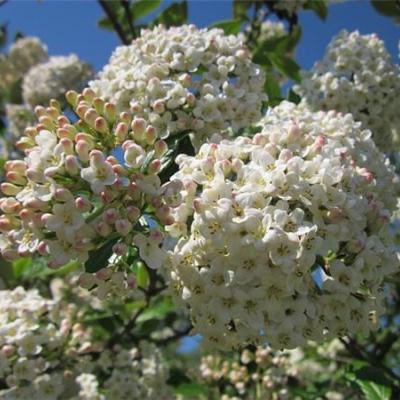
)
(63, 195)
(40, 111)
(133, 190)
(120, 249)
(163, 211)
(71, 165)
(154, 166)
(157, 202)
(98, 104)
(88, 94)
(86, 280)
(320, 141)
(160, 148)
(53, 113)
(103, 229)
(285, 155)
(5, 224)
(156, 237)
(42, 248)
(97, 158)
(159, 106)
(335, 214)
(72, 97)
(83, 205)
(294, 131)
(68, 145)
(120, 170)
(107, 196)
(138, 127)
(367, 175)
(131, 281)
(62, 120)
(8, 350)
(190, 99)
(136, 108)
(110, 215)
(198, 205)
(260, 139)
(25, 214)
(9, 189)
(16, 166)
(133, 213)
(15, 177)
(82, 149)
(121, 132)
(101, 125)
(35, 204)
(90, 117)
(150, 135)
(168, 220)
(104, 274)
(123, 227)
(81, 110)
(10, 205)
(24, 143)
(197, 124)
(242, 54)
(110, 112)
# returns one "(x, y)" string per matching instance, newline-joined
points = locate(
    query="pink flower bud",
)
(133, 213)
(131, 281)
(190, 99)
(16, 166)
(138, 127)
(63, 194)
(103, 229)
(8, 350)
(5, 224)
(260, 139)
(160, 148)
(81, 110)
(121, 132)
(10, 254)
(110, 215)
(82, 149)
(15, 177)
(104, 274)
(86, 280)
(123, 227)
(159, 106)
(71, 165)
(154, 166)
(285, 155)
(136, 108)
(120, 249)
(72, 97)
(68, 145)
(110, 112)
(42, 248)
(9, 205)
(40, 111)
(156, 237)
(101, 125)
(83, 205)
(90, 116)
(88, 94)
(197, 124)
(98, 104)
(9, 189)
(150, 135)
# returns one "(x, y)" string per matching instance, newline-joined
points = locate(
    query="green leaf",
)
(3, 35)
(190, 390)
(176, 14)
(98, 259)
(158, 311)
(142, 275)
(374, 391)
(240, 8)
(272, 89)
(285, 65)
(318, 6)
(21, 266)
(370, 373)
(293, 97)
(141, 8)
(105, 23)
(230, 27)
(388, 8)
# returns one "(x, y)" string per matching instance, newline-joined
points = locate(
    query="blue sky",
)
(70, 26)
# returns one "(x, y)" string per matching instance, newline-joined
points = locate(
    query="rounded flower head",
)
(185, 79)
(80, 187)
(50, 80)
(357, 76)
(19, 118)
(284, 237)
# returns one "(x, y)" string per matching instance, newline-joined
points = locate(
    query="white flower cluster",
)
(357, 76)
(47, 354)
(271, 30)
(52, 79)
(23, 55)
(284, 237)
(19, 116)
(185, 79)
(252, 373)
(71, 194)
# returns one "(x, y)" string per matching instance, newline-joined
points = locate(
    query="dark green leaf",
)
(373, 391)
(176, 14)
(272, 89)
(293, 97)
(230, 27)
(158, 311)
(142, 275)
(190, 390)
(105, 23)
(370, 373)
(285, 65)
(98, 259)
(318, 6)
(141, 8)
(3, 35)
(389, 8)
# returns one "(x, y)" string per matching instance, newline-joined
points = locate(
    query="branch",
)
(129, 17)
(117, 26)
(383, 347)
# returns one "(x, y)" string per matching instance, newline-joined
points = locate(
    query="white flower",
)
(149, 249)
(99, 174)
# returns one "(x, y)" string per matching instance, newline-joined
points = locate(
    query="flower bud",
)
(103, 229)
(9, 189)
(71, 165)
(123, 227)
(110, 112)
(154, 166)
(101, 125)
(133, 213)
(71, 97)
(121, 132)
(83, 205)
(160, 148)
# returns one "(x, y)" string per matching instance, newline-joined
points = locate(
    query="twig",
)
(129, 17)
(110, 14)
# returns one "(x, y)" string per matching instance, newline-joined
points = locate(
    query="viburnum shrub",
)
(283, 237)
(357, 76)
(185, 78)
(72, 195)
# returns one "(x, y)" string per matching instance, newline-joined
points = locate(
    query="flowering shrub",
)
(71, 195)
(185, 79)
(46, 352)
(52, 79)
(308, 195)
(357, 76)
